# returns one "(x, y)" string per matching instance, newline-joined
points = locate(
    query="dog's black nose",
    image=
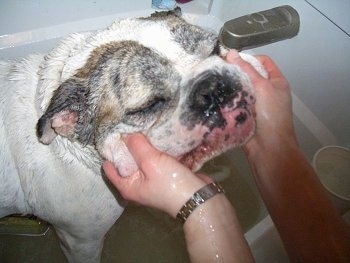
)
(210, 92)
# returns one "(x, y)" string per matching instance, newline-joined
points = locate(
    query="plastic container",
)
(332, 165)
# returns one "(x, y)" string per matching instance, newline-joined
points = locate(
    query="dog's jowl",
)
(63, 113)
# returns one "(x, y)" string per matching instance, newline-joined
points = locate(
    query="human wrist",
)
(204, 220)
(181, 194)
(207, 214)
(260, 145)
(198, 198)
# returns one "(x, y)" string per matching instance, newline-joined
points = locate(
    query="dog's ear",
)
(67, 104)
(62, 123)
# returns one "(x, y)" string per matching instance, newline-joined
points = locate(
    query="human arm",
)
(212, 231)
(309, 225)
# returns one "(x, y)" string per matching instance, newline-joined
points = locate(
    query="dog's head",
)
(160, 76)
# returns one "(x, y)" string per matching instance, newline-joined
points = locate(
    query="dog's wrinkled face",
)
(166, 79)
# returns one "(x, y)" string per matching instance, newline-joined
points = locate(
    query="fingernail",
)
(127, 136)
(124, 136)
(110, 168)
(232, 55)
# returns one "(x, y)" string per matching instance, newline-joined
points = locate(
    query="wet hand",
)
(161, 181)
(273, 103)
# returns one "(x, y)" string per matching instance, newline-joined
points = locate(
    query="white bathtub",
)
(36, 26)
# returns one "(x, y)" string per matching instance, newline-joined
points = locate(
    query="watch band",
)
(199, 198)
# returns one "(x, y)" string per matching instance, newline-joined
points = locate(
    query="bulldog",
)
(63, 113)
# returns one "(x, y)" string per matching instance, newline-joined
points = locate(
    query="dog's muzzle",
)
(210, 93)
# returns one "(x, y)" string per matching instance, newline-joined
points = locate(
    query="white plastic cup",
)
(332, 165)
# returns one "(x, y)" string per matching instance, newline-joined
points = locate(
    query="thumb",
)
(233, 57)
(111, 173)
(127, 186)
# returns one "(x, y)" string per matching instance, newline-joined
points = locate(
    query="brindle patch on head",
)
(142, 81)
(217, 49)
(151, 83)
(193, 39)
(119, 83)
(163, 15)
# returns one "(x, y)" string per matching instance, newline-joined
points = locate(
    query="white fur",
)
(61, 182)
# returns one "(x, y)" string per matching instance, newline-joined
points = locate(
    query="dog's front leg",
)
(79, 249)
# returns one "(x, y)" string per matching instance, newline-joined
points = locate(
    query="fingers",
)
(112, 174)
(271, 67)
(141, 150)
(125, 185)
(145, 155)
(274, 74)
(233, 57)
(109, 169)
(139, 146)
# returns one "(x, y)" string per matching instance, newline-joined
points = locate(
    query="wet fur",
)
(63, 113)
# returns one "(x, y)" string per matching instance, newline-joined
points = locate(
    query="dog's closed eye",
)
(151, 107)
(147, 113)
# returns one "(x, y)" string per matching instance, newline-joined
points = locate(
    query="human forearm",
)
(309, 225)
(211, 230)
(213, 233)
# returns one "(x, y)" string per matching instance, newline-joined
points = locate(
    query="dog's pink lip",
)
(220, 140)
(197, 157)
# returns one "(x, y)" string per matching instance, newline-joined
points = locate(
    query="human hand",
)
(273, 104)
(161, 181)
